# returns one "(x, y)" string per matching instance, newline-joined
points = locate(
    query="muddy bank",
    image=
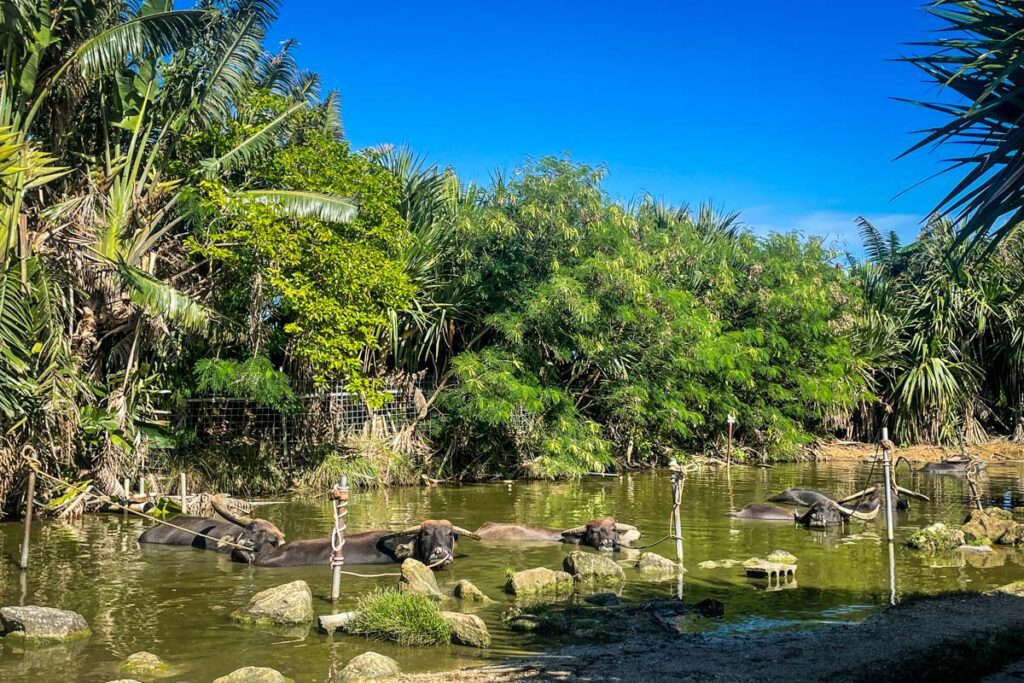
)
(991, 452)
(952, 637)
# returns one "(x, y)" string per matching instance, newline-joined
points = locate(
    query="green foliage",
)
(255, 379)
(367, 462)
(402, 617)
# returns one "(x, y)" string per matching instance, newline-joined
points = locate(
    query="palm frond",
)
(303, 204)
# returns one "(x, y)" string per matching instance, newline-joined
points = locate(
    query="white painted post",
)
(889, 535)
(728, 449)
(184, 494)
(30, 496)
(340, 505)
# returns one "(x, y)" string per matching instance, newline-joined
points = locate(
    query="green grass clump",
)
(401, 617)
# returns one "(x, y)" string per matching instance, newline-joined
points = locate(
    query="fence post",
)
(184, 494)
(30, 496)
(339, 495)
(887, 472)
(728, 448)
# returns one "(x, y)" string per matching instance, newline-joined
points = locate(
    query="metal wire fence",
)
(328, 416)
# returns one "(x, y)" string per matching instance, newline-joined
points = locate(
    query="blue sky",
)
(780, 110)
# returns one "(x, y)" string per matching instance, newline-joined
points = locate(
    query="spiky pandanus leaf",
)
(254, 145)
(163, 300)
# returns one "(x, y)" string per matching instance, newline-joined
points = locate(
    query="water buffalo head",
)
(604, 534)
(258, 534)
(432, 542)
(826, 513)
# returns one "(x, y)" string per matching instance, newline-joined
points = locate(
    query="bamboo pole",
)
(30, 496)
(184, 495)
(887, 472)
(340, 505)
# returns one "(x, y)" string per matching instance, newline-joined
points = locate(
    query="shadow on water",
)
(175, 601)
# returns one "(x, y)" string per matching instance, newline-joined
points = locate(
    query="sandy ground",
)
(947, 638)
(992, 452)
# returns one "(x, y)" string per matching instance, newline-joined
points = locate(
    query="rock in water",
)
(290, 603)
(603, 599)
(417, 579)
(936, 537)
(368, 666)
(592, 567)
(253, 674)
(992, 525)
(653, 562)
(145, 664)
(464, 590)
(42, 623)
(781, 557)
(467, 629)
(538, 580)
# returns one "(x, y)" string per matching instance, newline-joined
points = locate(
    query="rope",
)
(34, 465)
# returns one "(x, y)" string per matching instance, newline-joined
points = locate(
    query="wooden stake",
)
(30, 496)
(340, 504)
(184, 494)
(887, 472)
(728, 447)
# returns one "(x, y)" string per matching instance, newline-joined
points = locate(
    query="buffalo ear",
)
(400, 546)
(404, 551)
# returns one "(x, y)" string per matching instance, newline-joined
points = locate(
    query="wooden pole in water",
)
(30, 496)
(184, 494)
(340, 504)
(887, 473)
(728, 447)
(677, 499)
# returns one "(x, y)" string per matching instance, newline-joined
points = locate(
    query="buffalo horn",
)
(624, 527)
(859, 494)
(221, 506)
(912, 494)
(863, 516)
(575, 531)
(462, 532)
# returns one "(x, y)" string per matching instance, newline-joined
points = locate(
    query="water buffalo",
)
(956, 466)
(432, 542)
(258, 534)
(799, 496)
(603, 533)
(828, 513)
(764, 513)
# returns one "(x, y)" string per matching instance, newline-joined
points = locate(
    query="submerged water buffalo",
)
(432, 542)
(799, 496)
(258, 534)
(764, 513)
(957, 466)
(828, 513)
(603, 533)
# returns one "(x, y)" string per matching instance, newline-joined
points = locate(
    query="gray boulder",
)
(464, 590)
(290, 603)
(145, 664)
(652, 562)
(539, 580)
(592, 567)
(253, 674)
(467, 629)
(368, 666)
(418, 579)
(42, 624)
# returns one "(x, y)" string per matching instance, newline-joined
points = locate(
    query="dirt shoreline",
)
(958, 637)
(993, 452)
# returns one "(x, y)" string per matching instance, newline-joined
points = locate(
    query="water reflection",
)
(174, 601)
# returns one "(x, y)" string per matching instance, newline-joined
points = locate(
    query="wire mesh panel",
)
(324, 417)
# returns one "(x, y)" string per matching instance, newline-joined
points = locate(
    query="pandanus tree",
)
(113, 87)
(977, 58)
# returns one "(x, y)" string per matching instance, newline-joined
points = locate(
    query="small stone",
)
(592, 567)
(540, 579)
(781, 557)
(145, 664)
(368, 666)
(42, 623)
(253, 674)
(652, 562)
(718, 564)
(709, 607)
(290, 603)
(464, 590)
(467, 629)
(603, 599)
(418, 579)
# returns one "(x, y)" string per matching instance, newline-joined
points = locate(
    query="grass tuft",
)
(404, 618)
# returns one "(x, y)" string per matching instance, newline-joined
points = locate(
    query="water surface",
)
(175, 602)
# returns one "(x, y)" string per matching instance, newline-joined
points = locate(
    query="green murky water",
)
(175, 602)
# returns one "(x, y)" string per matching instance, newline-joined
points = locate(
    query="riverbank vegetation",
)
(182, 215)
